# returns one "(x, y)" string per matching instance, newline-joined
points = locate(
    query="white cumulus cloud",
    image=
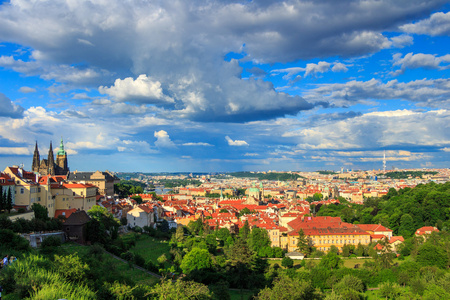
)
(143, 90)
(236, 142)
(437, 24)
(163, 139)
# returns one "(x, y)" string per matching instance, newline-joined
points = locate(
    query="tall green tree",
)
(406, 228)
(258, 239)
(303, 243)
(196, 259)
(40, 212)
(2, 199)
(385, 258)
(244, 231)
(9, 201)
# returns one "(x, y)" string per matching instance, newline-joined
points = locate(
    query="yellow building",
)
(104, 181)
(51, 192)
(324, 232)
(74, 195)
(29, 191)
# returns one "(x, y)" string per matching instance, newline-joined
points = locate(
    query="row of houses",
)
(58, 193)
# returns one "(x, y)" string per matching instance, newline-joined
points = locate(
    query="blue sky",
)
(226, 85)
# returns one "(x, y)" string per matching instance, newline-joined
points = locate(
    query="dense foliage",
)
(267, 176)
(403, 211)
(126, 188)
(407, 174)
(205, 262)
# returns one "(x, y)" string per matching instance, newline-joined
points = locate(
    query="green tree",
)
(406, 228)
(2, 199)
(287, 262)
(223, 234)
(103, 226)
(196, 259)
(303, 243)
(179, 234)
(286, 288)
(347, 250)
(432, 255)
(40, 212)
(258, 239)
(244, 231)
(71, 267)
(211, 242)
(239, 253)
(331, 261)
(385, 258)
(137, 198)
(220, 290)
(245, 211)
(196, 227)
(9, 205)
(180, 290)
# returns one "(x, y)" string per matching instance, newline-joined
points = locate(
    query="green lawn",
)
(137, 275)
(150, 248)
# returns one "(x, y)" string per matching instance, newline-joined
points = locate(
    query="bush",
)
(139, 260)
(51, 245)
(287, 262)
(51, 241)
(128, 256)
(13, 241)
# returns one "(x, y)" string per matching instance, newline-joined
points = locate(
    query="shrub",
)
(287, 262)
(139, 260)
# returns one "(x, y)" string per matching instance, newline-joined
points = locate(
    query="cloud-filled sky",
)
(207, 86)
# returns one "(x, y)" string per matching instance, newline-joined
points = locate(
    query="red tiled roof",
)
(64, 212)
(373, 227)
(426, 230)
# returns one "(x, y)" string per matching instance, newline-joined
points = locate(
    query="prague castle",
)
(50, 166)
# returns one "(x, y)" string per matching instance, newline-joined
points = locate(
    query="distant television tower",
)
(384, 162)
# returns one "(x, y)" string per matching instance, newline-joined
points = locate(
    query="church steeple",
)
(61, 150)
(61, 160)
(51, 161)
(36, 159)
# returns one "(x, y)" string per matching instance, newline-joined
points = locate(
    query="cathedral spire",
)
(51, 161)
(61, 150)
(36, 159)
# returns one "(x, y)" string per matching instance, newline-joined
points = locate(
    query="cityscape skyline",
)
(236, 86)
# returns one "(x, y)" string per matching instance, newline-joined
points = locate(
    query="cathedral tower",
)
(36, 159)
(61, 160)
(51, 161)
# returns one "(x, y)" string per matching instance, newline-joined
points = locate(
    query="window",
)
(39, 189)
(39, 199)
(21, 190)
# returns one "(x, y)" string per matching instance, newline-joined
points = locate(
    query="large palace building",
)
(50, 166)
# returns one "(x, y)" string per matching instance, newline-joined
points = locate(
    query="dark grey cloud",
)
(181, 45)
(9, 109)
(433, 93)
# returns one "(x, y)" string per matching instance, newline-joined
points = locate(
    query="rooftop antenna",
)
(384, 162)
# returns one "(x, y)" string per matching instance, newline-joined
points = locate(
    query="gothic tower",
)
(61, 160)
(36, 159)
(51, 161)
